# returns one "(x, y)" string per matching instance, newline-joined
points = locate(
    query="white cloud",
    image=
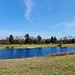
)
(55, 26)
(64, 29)
(65, 25)
(29, 7)
(70, 24)
(6, 33)
(59, 30)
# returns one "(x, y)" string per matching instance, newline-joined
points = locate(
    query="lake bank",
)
(28, 46)
(49, 65)
(35, 46)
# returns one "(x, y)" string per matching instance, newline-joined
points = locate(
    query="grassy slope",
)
(60, 65)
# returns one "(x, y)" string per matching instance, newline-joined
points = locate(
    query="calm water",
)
(25, 53)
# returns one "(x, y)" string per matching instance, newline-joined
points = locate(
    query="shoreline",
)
(30, 46)
(27, 46)
(62, 54)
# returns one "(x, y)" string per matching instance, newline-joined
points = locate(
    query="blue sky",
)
(45, 17)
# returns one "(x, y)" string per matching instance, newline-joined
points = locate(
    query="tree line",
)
(27, 39)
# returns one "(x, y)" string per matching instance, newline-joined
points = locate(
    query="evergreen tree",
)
(11, 39)
(27, 38)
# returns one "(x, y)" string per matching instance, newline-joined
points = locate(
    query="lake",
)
(33, 52)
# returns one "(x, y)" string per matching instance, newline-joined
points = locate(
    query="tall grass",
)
(49, 65)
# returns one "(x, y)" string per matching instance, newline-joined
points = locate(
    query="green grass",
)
(49, 65)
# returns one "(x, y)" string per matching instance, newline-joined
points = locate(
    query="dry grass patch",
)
(60, 65)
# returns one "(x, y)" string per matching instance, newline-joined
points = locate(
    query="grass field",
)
(35, 45)
(68, 45)
(49, 65)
